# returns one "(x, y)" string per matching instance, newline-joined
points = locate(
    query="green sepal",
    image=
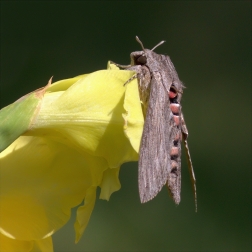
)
(16, 118)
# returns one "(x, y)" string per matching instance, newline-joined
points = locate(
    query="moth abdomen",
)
(175, 108)
(174, 177)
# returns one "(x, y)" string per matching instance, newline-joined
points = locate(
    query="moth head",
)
(140, 58)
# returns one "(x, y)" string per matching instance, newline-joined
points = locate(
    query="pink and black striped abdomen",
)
(174, 177)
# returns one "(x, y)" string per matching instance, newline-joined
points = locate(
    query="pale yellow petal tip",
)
(112, 66)
(110, 183)
(84, 212)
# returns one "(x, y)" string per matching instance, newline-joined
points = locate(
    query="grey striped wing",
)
(154, 161)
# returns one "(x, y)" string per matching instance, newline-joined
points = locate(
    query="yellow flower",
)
(59, 144)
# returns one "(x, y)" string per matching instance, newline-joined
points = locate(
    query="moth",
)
(164, 129)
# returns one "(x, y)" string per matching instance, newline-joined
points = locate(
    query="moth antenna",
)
(160, 43)
(189, 161)
(140, 42)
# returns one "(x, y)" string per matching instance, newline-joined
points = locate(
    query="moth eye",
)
(142, 60)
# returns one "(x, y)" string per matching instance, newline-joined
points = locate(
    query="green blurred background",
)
(209, 43)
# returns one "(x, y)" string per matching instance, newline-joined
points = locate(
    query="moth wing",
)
(154, 161)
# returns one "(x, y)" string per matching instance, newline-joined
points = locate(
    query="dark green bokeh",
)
(210, 45)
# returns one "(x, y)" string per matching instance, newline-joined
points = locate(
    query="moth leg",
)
(131, 79)
(144, 79)
(189, 160)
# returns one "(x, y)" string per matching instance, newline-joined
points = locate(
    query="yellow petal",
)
(133, 116)
(84, 129)
(14, 245)
(88, 115)
(41, 180)
(11, 245)
(44, 245)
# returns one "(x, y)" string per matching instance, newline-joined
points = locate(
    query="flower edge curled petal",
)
(110, 183)
(133, 117)
(84, 212)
